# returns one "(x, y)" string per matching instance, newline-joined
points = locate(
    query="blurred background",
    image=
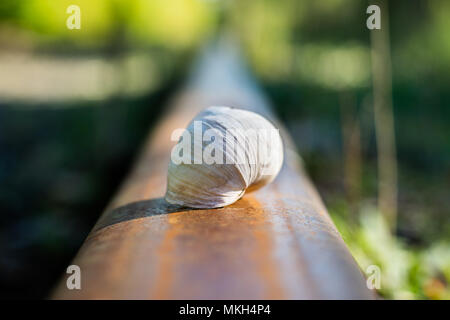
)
(369, 112)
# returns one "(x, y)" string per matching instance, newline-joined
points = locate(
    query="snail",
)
(223, 153)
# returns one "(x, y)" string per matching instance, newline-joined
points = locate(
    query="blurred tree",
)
(384, 117)
(351, 138)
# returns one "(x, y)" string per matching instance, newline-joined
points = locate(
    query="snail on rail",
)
(223, 152)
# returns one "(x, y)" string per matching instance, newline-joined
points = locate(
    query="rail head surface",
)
(275, 243)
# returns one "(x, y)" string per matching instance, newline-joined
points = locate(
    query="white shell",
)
(219, 184)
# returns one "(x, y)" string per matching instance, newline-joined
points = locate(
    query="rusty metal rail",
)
(275, 243)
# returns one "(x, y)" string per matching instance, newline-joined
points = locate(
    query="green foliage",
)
(406, 272)
(180, 24)
(47, 19)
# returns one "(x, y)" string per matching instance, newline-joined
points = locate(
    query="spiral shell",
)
(232, 150)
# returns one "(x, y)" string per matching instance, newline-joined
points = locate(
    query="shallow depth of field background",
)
(75, 105)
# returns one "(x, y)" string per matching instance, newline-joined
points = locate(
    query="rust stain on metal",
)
(166, 259)
(267, 266)
(197, 240)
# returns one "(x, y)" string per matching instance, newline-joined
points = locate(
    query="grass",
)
(407, 272)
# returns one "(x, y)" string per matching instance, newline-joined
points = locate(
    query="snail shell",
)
(223, 152)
